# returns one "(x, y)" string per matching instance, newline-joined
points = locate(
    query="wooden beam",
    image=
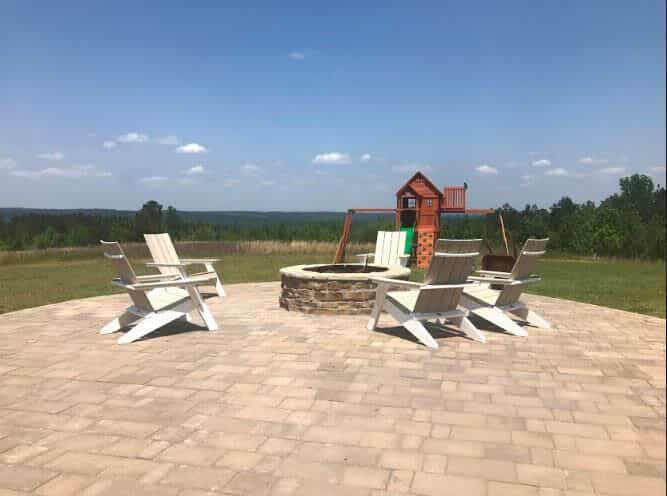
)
(342, 243)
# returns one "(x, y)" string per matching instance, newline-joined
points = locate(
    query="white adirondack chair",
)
(490, 304)
(157, 299)
(389, 250)
(437, 298)
(167, 261)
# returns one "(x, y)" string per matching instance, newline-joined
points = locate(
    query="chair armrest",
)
(491, 280)
(365, 255)
(494, 273)
(176, 283)
(156, 276)
(395, 282)
(505, 282)
(192, 261)
(448, 286)
(164, 264)
(529, 279)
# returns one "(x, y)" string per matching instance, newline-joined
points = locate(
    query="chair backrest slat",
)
(452, 263)
(114, 252)
(388, 247)
(458, 245)
(163, 251)
(524, 266)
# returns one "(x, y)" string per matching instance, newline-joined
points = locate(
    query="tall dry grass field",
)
(191, 249)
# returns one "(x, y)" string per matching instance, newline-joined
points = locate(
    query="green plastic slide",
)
(409, 235)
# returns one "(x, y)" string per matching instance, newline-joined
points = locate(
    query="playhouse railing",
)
(454, 199)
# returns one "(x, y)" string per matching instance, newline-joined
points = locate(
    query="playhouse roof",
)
(423, 188)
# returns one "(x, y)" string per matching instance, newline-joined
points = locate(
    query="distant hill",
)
(207, 217)
(10, 212)
(216, 217)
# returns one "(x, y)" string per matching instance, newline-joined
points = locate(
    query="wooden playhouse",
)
(419, 205)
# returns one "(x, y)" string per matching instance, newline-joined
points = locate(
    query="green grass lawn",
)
(630, 285)
(627, 285)
(32, 284)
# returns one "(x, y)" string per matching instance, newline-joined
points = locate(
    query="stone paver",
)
(282, 403)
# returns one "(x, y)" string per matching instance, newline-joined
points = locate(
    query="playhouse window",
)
(412, 203)
(429, 203)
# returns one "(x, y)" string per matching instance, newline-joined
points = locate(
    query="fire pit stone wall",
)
(333, 289)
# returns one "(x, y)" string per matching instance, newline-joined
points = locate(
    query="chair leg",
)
(220, 290)
(118, 323)
(377, 308)
(150, 323)
(218, 284)
(418, 330)
(203, 309)
(469, 329)
(527, 315)
(498, 318)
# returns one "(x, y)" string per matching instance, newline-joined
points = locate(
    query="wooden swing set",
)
(419, 205)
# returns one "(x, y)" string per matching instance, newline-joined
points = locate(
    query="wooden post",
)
(342, 243)
(502, 230)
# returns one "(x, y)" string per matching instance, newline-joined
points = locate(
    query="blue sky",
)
(300, 106)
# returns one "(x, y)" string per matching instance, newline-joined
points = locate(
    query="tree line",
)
(630, 223)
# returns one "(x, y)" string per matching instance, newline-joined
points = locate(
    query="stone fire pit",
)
(333, 288)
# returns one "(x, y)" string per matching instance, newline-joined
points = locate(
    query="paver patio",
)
(281, 403)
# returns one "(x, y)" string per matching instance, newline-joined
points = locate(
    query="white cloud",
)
(132, 138)
(592, 160)
(152, 180)
(194, 170)
(558, 171)
(542, 163)
(168, 140)
(612, 170)
(658, 169)
(297, 55)
(366, 157)
(251, 169)
(77, 171)
(7, 163)
(55, 156)
(109, 144)
(332, 158)
(185, 181)
(411, 168)
(487, 170)
(191, 148)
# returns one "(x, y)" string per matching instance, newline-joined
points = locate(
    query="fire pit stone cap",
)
(303, 272)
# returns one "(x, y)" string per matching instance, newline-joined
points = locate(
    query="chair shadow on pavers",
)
(174, 329)
(437, 331)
